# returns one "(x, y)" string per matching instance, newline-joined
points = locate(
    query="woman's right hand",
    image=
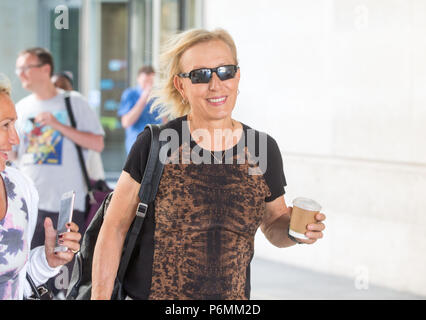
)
(70, 239)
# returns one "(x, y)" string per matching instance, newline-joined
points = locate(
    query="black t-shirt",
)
(274, 174)
(198, 239)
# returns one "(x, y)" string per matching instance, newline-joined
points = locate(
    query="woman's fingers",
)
(72, 236)
(70, 244)
(316, 227)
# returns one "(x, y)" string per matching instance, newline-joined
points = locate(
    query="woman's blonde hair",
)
(4, 85)
(169, 101)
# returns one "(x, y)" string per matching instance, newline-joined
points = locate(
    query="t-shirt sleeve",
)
(85, 117)
(138, 156)
(274, 175)
(128, 100)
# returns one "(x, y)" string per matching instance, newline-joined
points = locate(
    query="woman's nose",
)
(13, 136)
(214, 82)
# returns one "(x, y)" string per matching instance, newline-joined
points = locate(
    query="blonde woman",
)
(18, 216)
(221, 182)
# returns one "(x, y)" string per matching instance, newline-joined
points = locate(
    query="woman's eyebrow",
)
(8, 119)
(204, 67)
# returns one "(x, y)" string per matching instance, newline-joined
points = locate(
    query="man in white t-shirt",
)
(47, 153)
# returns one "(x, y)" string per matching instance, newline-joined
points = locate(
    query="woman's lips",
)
(217, 101)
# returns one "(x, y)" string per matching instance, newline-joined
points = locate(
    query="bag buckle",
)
(92, 199)
(142, 209)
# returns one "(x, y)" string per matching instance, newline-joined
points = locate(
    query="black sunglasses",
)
(205, 74)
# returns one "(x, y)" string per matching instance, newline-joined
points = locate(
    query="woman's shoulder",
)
(175, 124)
(257, 137)
(19, 178)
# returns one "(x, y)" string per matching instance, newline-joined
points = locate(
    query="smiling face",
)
(214, 100)
(8, 134)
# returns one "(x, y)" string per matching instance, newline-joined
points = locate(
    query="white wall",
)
(341, 85)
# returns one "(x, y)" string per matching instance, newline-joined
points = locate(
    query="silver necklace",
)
(220, 161)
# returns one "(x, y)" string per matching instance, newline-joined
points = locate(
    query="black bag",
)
(81, 279)
(40, 292)
(96, 190)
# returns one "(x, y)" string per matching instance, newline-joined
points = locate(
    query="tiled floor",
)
(276, 281)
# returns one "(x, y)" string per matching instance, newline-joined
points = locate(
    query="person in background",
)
(18, 217)
(95, 168)
(63, 80)
(47, 152)
(135, 106)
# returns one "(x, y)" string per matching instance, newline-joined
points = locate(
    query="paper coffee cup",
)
(304, 212)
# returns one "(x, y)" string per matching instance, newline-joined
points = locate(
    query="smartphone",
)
(65, 215)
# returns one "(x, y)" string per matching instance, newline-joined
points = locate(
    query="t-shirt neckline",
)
(233, 148)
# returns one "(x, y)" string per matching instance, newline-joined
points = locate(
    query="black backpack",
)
(81, 279)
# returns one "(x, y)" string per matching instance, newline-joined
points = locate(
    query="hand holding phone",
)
(65, 216)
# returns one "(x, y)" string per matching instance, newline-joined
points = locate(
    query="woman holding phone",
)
(18, 216)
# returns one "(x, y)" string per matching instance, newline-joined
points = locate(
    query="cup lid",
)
(306, 204)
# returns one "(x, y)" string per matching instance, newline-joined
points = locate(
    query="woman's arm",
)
(119, 216)
(84, 139)
(134, 114)
(276, 221)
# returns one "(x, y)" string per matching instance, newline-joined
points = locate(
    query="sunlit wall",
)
(341, 85)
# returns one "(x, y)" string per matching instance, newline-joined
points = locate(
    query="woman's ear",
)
(177, 81)
(238, 75)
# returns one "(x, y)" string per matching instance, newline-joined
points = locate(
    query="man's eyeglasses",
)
(24, 69)
(205, 74)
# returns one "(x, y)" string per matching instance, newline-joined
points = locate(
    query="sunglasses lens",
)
(201, 76)
(226, 72)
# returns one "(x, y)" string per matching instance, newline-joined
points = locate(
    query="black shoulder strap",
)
(33, 287)
(79, 151)
(148, 191)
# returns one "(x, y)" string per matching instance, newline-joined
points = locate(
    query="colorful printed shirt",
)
(14, 248)
(48, 157)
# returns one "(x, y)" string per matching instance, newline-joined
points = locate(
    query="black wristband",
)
(293, 238)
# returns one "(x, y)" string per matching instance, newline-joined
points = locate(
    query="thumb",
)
(49, 234)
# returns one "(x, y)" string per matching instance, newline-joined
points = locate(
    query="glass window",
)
(64, 44)
(59, 31)
(140, 35)
(114, 79)
(170, 19)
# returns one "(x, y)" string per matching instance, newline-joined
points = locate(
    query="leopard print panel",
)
(206, 219)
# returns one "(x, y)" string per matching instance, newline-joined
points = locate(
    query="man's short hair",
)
(146, 70)
(43, 55)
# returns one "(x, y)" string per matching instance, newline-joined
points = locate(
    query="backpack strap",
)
(79, 151)
(148, 191)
